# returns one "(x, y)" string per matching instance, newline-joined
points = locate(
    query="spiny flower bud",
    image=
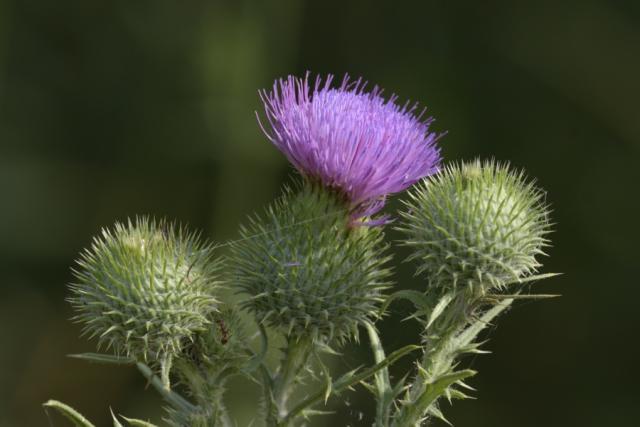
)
(307, 271)
(144, 288)
(476, 225)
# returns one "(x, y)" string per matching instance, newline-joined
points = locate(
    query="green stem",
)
(220, 416)
(436, 361)
(444, 340)
(345, 382)
(381, 379)
(271, 411)
(165, 370)
(172, 397)
(294, 361)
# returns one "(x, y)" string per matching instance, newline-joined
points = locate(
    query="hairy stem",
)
(381, 380)
(447, 338)
(172, 397)
(295, 359)
(345, 382)
(436, 361)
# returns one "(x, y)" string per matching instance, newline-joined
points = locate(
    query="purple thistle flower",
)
(350, 140)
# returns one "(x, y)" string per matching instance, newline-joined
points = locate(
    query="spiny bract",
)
(478, 225)
(307, 271)
(143, 288)
(220, 346)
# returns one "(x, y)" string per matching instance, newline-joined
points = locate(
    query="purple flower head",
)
(356, 142)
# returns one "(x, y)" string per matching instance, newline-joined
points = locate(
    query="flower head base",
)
(476, 225)
(145, 288)
(307, 272)
(350, 140)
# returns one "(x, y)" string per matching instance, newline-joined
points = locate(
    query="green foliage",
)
(451, 333)
(68, 412)
(476, 225)
(223, 345)
(206, 363)
(307, 271)
(148, 291)
(145, 289)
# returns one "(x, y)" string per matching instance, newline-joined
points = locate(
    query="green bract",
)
(307, 270)
(476, 225)
(145, 288)
(221, 346)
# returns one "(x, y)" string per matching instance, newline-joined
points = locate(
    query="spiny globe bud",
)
(478, 225)
(144, 288)
(308, 271)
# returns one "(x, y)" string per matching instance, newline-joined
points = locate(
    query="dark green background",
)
(114, 108)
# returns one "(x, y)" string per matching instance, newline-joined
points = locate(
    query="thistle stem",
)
(172, 397)
(347, 381)
(437, 359)
(294, 361)
(381, 379)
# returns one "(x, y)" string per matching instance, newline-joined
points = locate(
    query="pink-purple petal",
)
(350, 140)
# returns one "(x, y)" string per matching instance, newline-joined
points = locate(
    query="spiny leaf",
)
(139, 423)
(534, 278)
(308, 413)
(327, 377)
(104, 358)
(348, 380)
(412, 412)
(170, 396)
(436, 412)
(419, 299)
(442, 304)
(468, 335)
(68, 412)
(116, 423)
(520, 296)
(257, 359)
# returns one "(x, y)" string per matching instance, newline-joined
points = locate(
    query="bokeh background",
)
(110, 109)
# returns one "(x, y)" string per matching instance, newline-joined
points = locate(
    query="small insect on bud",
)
(222, 345)
(307, 271)
(477, 225)
(145, 288)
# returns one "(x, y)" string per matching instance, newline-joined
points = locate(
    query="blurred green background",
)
(114, 108)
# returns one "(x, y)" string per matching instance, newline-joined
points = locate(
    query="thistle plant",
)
(315, 270)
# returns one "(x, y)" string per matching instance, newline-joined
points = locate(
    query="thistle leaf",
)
(116, 423)
(468, 335)
(104, 358)
(534, 278)
(412, 413)
(68, 412)
(327, 377)
(419, 300)
(442, 304)
(348, 380)
(138, 423)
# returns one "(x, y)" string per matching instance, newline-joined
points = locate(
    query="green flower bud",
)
(144, 289)
(307, 270)
(476, 225)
